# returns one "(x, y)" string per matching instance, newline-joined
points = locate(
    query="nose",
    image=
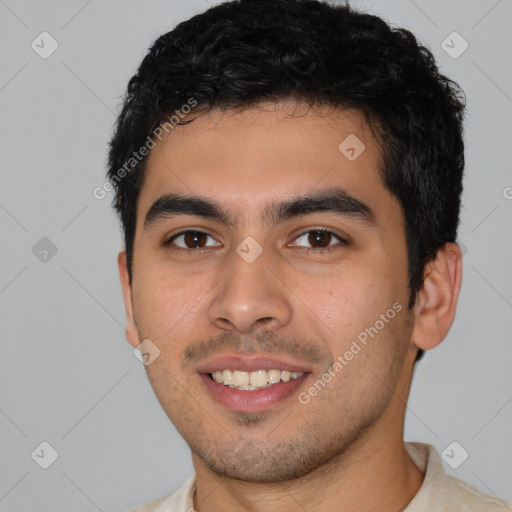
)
(249, 296)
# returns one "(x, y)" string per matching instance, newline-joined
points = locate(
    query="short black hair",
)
(241, 53)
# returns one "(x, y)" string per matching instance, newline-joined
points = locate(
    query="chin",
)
(281, 462)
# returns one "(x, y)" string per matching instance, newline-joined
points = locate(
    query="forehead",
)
(247, 159)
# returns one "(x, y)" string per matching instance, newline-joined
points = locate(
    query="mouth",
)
(251, 385)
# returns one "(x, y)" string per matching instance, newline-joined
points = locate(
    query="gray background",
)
(68, 377)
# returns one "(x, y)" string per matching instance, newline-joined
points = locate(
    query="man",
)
(288, 175)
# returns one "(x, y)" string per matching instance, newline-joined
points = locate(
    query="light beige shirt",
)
(439, 492)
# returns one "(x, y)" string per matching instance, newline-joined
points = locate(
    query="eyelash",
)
(329, 248)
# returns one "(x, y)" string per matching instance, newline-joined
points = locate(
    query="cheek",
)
(167, 302)
(348, 302)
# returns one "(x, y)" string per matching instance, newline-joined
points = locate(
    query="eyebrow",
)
(333, 200)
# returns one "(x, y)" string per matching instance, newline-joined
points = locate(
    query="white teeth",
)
(240, 378)
(273, 376)
(227, 377)
(258, 379)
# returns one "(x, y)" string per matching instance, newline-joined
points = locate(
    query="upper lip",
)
(248, 363)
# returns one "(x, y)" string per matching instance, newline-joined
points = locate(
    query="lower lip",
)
(251, 400)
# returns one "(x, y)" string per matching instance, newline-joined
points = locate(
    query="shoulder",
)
(456, 493)
(441, 492)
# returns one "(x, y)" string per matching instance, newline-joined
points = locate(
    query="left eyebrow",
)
(333, 200)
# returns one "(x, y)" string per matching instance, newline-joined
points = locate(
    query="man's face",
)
(255, 288)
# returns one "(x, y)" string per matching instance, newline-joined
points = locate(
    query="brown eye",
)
(192, 240)
(319, 239)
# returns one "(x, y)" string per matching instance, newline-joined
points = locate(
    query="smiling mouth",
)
(250, 381)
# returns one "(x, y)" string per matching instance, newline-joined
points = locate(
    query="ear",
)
(131, 332)
(436, 302)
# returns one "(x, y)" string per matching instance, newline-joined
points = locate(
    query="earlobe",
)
(437, 300)
(131, 332)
